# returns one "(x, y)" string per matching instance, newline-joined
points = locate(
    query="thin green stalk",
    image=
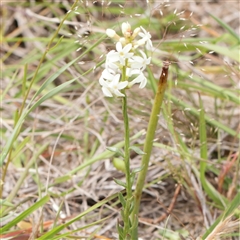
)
(128, 170)
(148, 146)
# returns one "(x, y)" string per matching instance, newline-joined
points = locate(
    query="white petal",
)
(143, 54)
(113, 57)
(107, 75)
(149, 45)
(127, 48)
(106, 92)
(138, 79)
(116, 78)
(135, 71)
(111, 67)
(143, 30)
(119, 47)
(143, 83)
(122, 85)
(118, 93)
(103, 83)
(128, 72)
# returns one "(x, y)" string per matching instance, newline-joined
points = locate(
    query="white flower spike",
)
(124, 67)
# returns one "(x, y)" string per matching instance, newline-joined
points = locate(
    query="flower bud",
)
(122, 41)
(126, 30)
(111, 33)
(119, 164)
(135, 32)
(140, 42)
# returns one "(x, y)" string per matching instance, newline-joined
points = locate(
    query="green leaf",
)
(131, 208)
(226, 26)
(137, 150)
(116, 150)
(24, 214)
(122, 199)
(209, 189)
(119, 182)
(139, 169)
(5, 203)
(62, 179)
(122, 213)
(120, 231)
(232, 53)
(18, 151)
(133, 175)
(51, 93)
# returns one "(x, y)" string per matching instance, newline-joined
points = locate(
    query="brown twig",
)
(167, 212)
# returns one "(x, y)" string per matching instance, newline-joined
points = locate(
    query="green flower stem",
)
(148, 146)
(126, 219)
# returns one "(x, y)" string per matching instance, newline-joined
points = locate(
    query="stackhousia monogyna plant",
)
(125, 67)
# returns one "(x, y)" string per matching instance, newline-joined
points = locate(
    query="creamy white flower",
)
(112, 66)
(124, 52)
(121, 54)
(139, 79)
(146, 36)
(112, 60)
(131, 71)
(113, 87)
(140, 62)
(107, 75)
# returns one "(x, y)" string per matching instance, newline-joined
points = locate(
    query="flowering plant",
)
(124, 66)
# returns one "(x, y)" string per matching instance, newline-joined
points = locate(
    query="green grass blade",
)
(64, 235)
(209, 189)
(227, 27)
(57, 229)
(232, 53)
(26, 213)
